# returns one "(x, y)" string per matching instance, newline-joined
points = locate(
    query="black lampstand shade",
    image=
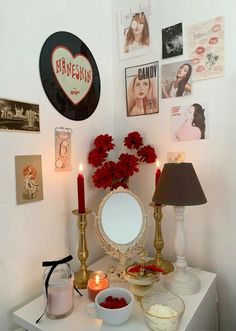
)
(178, 185)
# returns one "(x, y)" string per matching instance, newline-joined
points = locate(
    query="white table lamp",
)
(179, 186)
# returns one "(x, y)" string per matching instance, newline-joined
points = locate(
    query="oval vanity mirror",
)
(121, 226)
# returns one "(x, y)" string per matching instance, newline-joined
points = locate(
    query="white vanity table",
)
(200, 311)
(121, 226)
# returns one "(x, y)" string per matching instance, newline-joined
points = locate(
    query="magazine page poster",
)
(135, 29)
(205, 42)
(189, 122)
(142, 89)
(176, 79)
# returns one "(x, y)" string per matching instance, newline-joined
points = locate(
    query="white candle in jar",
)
(60, 299)
(162, 318)
(162, 311)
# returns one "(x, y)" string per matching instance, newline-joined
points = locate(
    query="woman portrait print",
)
(176, 83)
(31, 188)
(136, 36)
(194, 124)
(141, 84)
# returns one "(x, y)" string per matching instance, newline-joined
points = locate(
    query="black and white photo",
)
(172, 41)
(19, 116)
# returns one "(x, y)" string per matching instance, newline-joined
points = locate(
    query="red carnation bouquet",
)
(114, 174)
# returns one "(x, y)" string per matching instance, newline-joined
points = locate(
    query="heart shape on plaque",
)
(73, 73)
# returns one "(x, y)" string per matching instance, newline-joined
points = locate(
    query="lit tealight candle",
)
(97, 281)
(80, 188)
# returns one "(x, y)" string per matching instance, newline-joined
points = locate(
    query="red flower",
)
(104, 141)
(133, 140)
(96, 157)
(147, 154)
(127, 164)
(103, 176)
(111, 174)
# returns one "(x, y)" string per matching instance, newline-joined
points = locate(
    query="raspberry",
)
(109, 298)
(113, 303)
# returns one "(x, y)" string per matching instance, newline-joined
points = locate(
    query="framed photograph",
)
(29, 183)
(176, 79)
(142, 89)
(172, 41)
(19, 116)
(189, 122)
(135, 30)
(205, 42)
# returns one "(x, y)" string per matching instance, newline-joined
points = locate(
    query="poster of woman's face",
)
(142, 89)
(189, 122)
(172, 41)
(135, 30)
(176, 79)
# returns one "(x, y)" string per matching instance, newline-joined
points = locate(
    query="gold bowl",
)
(142, 282)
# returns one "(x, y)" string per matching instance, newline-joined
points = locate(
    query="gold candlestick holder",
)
(158, 242)
(82, 275)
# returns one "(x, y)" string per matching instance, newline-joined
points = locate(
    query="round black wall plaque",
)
(69, 75)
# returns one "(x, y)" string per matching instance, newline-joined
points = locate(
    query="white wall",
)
(33, 232)
(210, 229)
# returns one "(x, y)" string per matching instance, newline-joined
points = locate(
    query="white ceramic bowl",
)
(162, 311)
(114, 316)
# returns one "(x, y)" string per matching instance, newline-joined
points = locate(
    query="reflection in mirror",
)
(121, 225)
(121, 218)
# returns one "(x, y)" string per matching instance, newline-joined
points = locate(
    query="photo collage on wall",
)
(71, 81)
(205, 59)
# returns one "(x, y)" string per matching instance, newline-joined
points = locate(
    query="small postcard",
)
(29, 183)
(175, 157)
(189, 122)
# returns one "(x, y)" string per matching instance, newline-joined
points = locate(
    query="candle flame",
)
(97, 279)
(157, 163)
(80, 167)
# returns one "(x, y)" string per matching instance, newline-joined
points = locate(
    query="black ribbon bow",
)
(53, 265)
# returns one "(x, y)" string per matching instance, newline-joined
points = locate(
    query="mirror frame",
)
(114, 249)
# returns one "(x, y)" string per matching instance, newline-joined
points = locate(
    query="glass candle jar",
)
(60, 298)
(97, 281)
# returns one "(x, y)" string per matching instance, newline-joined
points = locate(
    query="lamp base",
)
(182, 282)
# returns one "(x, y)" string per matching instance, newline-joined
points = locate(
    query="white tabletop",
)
(203, 302)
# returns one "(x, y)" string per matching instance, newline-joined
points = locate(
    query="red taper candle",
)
(158, 173)
(80, 188)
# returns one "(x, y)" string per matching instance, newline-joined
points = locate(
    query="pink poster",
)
(206, 48)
